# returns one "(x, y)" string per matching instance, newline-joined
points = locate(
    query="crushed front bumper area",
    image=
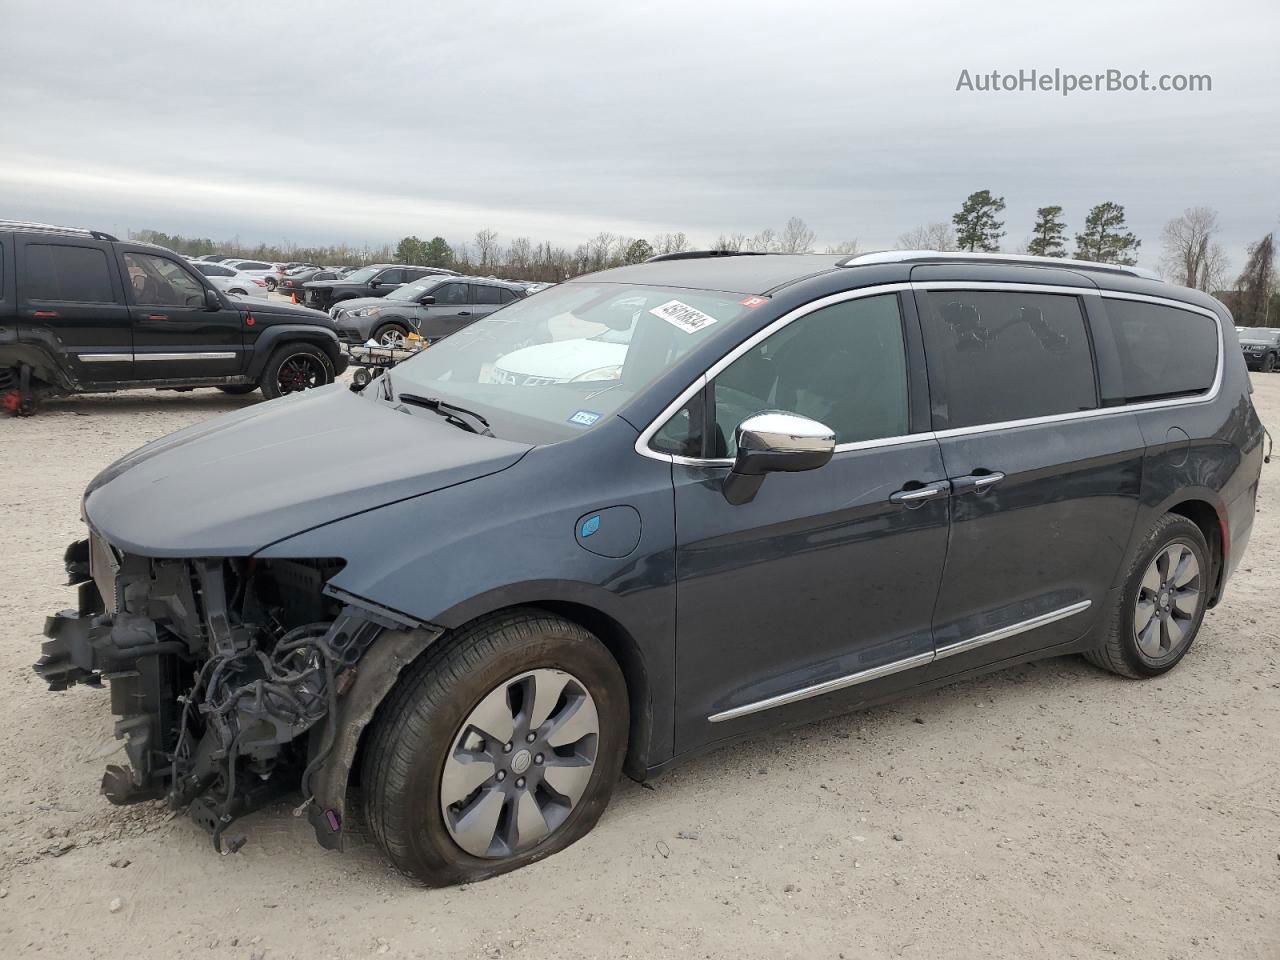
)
(225, 674)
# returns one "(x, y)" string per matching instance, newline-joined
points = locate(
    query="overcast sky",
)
(326, 122)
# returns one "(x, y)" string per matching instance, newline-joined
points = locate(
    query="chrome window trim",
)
(185, 356)
(642, 442)
(897, 666)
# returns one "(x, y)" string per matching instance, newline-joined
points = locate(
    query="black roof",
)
(26, 226)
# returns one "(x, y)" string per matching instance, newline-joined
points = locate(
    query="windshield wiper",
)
(459, 416)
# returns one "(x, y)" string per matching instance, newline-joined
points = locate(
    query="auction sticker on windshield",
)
(681, 315)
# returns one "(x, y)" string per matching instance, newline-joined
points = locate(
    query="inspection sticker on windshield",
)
(687, 318)
(584, 418)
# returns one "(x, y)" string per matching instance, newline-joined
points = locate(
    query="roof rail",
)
(700, 254)
(965, 256)
(27, 226)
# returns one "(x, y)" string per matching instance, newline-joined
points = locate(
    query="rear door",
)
(71, 299)
(486, 298)
(176, 336)
(1045, 483)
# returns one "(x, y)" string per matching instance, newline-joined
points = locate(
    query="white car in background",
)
(268, 272)
(235, 282)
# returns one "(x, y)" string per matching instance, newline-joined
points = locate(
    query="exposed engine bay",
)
(225, 674)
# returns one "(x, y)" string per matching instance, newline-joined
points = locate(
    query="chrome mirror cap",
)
(775, 442)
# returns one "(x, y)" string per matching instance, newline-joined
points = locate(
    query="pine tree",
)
(1047, 236)
(1105, 239)
(976, 225)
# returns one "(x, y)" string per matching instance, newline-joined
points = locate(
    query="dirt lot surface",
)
(1046, 811)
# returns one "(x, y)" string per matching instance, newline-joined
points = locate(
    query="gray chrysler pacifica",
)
(723, 493)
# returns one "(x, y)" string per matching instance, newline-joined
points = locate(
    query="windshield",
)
(363, 274)
(548, 367)
(412, 291)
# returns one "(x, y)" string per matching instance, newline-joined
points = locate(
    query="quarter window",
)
(995, 357)
(66, 273)
(1164, 351)
(844, 366)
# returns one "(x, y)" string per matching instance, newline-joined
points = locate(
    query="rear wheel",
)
(498, 749)
(271, 284)
(1163, 603)
(295, 367)
(1268, 363)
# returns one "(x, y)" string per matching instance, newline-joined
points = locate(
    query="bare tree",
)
(932, 236)
(670, 243)
(520, 256)
(1256, 284)
(599, 250)
(849, 247)
(732, 243)
(1191, 257)
(766, 241)
(796, 237)
(486, 247)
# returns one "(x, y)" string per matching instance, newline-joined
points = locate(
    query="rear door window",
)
(66, 273)
(487, 294)
(391, 276)
(1164, 352)
(1009, 355)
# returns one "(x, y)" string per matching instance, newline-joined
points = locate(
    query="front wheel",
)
(496, 750)
(272, 283)
(1268, 363)
(1163, 602)
(295, 367)
(391, 334)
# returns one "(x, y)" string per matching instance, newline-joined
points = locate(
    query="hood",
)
(1253, 342)
(357, 303)
(329, 284)
(294, 313)
(237, 483)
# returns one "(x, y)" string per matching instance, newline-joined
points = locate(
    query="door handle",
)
(44, 314)
(464, 313)
(918, 495)
(157, 316)
(976, 482)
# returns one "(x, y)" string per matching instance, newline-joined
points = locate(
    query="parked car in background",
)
(821, 482)
(83, 312)
(232, 281)
(376, 280)
(270, 272)
(291, 283)
(1261, 347)
(217, 257)
(433, 307)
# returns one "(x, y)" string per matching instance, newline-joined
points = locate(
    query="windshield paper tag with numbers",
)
(681, 315)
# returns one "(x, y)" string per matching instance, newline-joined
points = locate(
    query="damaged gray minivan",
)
(721, 493)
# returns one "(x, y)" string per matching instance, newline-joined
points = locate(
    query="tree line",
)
(1190, 252)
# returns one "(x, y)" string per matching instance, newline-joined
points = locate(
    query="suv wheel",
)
(294, 367)
(1268, 363)
(272, 283)
(391, 335)
(1162, 605)
(498, 749)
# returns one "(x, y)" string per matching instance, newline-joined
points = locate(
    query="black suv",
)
(1261, 348)
(376, 280)
(747, 491)
(82, 312)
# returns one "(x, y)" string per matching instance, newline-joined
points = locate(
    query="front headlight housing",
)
(611, 372)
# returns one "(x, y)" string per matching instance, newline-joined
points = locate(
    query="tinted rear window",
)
(56, 271)
(1164, 351)
(487, 294)
(995, 357)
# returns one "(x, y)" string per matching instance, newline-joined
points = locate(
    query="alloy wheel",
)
(1169, 598)
(301, 371)
(519, 763)
(392, 338)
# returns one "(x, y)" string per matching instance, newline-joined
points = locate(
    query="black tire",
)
(278, 376)
(389, 328)
(237, 292)
(1119, 651)
(1269, 363)
(239, 389)
(272, 283)
(404, 758)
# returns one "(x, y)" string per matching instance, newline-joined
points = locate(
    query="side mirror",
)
(775, 442)
(428, 299)
(375, 283)
(211, 300)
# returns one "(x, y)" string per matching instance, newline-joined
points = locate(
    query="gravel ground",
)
(1049, 810)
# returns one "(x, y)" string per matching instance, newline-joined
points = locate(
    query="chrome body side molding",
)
(885, 670)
